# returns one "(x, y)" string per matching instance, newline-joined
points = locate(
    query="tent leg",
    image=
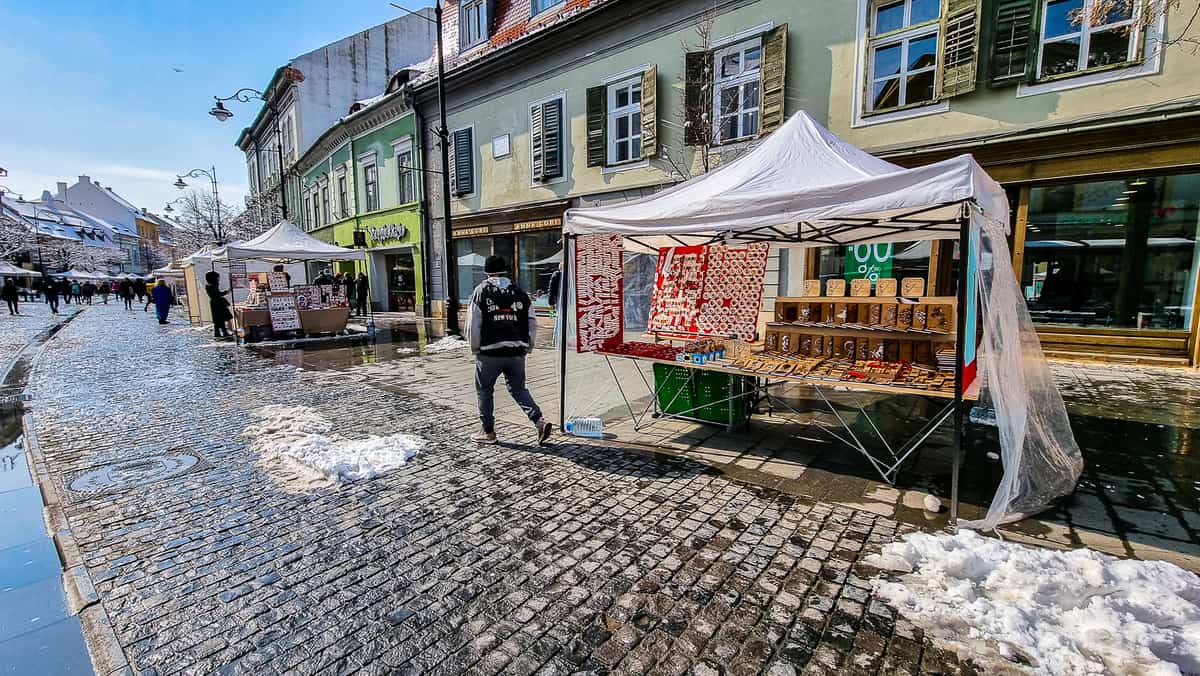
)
(964, 247)
(567, 272)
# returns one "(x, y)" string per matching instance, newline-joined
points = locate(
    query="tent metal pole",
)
(567, 273)
(964, 248)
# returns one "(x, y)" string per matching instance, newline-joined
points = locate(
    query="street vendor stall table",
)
(284, 306)
(802, 186)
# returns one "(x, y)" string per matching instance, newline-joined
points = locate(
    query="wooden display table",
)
(253, 317)
(331, 320)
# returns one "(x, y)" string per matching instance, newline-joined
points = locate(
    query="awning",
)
(9, 270)
(286, 243)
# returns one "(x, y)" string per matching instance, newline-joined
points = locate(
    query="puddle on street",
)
(388, 344)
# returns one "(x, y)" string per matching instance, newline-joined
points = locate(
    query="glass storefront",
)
(539, 255)
(1114, 253)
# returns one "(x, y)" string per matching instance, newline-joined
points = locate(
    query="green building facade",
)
(361, 186)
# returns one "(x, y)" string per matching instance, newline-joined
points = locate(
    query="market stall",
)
(279, 306)
(803, 186)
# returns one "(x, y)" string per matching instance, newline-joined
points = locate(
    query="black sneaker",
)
(544, 429)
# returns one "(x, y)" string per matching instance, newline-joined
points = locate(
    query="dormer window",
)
(472, 23)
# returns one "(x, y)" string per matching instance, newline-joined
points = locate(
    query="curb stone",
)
(105, 651)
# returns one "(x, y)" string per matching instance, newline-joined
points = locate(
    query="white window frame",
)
(565, 134)
(902, 36)
(308, 216)
(463, 13)
(342, 193)
(323, 189)
(740, 80)
(614, 114)
(501, 146)
(546, 6)
(369, 161)
(1084, 33)
(400, 148)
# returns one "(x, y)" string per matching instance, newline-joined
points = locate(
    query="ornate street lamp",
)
(212, 177)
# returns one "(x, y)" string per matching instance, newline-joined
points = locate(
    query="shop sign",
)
(382, 233)
(471, 232)
(541, 224)
(868, 261)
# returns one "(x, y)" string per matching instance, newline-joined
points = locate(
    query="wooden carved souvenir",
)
(805, 347)
(860, 288)
(830, 341)
(912, 287)
(862, 349)
(938, 319)
(839, 313)
(804, 312)
(875, 349)
(919, 317)
(852, 312)
(835, 288)
(904, 317)
(772, 342)
(785, 342)
(890, 311)
(827, 310)
(812, 288)
(818, 346)
(874, 314)
(885, 287)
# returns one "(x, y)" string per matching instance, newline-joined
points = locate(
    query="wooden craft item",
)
(912, 287)
(906, 350)
(890, 311)
(827, 311)
(835, 288)
(812, 288)
(806, 341)
(772, 341)
(919, 316)
(839, 313)
(862, 349)
(860, 288)
(785, 342)
(818, 346)
(938, 319)
(923, 352)
(874, 314)
(829, 347)
(885, 287)
(852, 312)
(904, 317)
(804, 312)
(875, 349)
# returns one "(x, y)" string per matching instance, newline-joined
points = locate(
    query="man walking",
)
(50, 291)
(9, 293)
(125, 290)
(501, 328)
(362, 293)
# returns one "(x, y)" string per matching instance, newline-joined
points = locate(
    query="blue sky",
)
(90, 87)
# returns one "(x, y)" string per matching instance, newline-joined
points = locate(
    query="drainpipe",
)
(426, 235)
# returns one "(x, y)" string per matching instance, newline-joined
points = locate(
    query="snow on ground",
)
(1058, 612)
(445, 345)
(303, 441)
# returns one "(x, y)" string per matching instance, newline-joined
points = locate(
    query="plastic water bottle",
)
(586, 427)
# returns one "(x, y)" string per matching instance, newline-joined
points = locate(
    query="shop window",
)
(873, 261)
(1079, 35)
(735, 92)
(470, 255)
(539, 255)
(1116, 253)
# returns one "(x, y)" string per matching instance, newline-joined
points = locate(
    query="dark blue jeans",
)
(487, 370)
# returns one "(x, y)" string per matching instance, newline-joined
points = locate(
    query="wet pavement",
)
(39, 632)
(510, 558)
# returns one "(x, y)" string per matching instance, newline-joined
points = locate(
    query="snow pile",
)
(445, 344)
(1073, 612)
(303, 440)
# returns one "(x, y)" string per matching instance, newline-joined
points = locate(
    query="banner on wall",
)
(598, 306)
(868, 261)
(714, 290)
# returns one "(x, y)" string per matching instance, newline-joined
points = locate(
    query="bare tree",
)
(1101, 12)
(16, 237)
(68, 254)
(199, 224)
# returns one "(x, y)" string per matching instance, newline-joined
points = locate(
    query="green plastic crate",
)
(698, 395)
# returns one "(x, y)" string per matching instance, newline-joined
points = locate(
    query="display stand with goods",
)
(803, 186)
(281, 306)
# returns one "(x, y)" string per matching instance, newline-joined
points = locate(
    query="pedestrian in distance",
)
(125, 290)
(501, 328)
(218, 306)
(149, 295)
(105, 289)
(10, 294)
(89, 290)
(362, 293)
(139, 288)
(350, 285)
(161, 294)
(50, 291)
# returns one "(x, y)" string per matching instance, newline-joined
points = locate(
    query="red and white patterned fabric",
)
(598, 302)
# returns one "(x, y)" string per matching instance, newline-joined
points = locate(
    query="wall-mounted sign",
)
(540, 224)
(382, 233)
(471, 232)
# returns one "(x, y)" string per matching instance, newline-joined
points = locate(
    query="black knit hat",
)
(495, 265)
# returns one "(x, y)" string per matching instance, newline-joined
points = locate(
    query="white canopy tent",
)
(81, 275)
(287, 243)
(9, 270)
(804, 185)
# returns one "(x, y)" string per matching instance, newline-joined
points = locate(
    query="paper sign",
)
(278, 281)
(284, 316)
(237, 274)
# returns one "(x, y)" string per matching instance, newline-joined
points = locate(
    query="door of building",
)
(402, 282)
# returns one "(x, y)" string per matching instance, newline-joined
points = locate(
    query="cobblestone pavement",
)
(16, 332)
(506, 559)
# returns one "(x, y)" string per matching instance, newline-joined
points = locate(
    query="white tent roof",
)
(80, 275)
(9, 270)
(285, 242)
(804, 184)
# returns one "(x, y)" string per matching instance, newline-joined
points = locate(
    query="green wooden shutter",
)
(597, 123)
(552, 139)
(1013, 41)
(536, 152)
(650, 112)
(697, 98)
(960, 47)
(464, 162)
(774, 75)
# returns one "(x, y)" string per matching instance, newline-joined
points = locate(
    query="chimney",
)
(62, 190)
(84, 178)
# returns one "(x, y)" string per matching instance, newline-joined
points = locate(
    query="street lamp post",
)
(212, 177)
(443, 134)
(245, 95)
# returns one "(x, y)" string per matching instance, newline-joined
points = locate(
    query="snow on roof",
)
(53, 218)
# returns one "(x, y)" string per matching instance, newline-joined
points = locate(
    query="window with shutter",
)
(697, 96)
(960, 47)
(624, 121)
(546, 139)
(464, 162)
(1081, 35)
(1012, 28)
(597, 121)
(774, 75)
(650, 112)
(737, 90)
(902, 53)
